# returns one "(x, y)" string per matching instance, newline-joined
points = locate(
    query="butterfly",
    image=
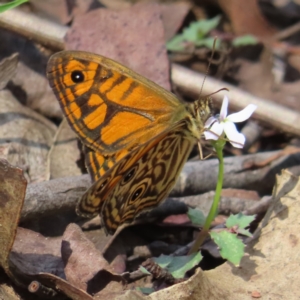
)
(137, 135)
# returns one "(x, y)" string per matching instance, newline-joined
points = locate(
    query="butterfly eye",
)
(77, 76)
(129, 175)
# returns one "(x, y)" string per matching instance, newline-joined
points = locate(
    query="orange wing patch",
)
(98, 164)
(109, 105)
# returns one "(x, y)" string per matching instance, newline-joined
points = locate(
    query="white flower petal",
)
(210, 121)
(242, 115)
(210, 136)
(214, 132)
(236, 139)
(217, 128)
(224, 108)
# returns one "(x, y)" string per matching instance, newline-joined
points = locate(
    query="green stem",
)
(213, 210)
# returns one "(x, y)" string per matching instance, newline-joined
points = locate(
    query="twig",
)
(287, 32)
(133, 276)
(34, 28)
(260, 207)
(242, 172)
(252, 132)
(53, 197)
(37, 288)
(268, 112)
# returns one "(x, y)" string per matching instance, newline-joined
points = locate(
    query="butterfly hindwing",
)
(92, 201)
(142, 181)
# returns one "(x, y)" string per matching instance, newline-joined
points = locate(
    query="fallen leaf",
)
(64, 153)
(27, 135)
(61, 11)
(133, 37)
(85, 267)
(12, 193)
(32, 253)
(247, 18)
(8, 68)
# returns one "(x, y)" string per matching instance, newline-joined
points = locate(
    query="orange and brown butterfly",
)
(137, 134)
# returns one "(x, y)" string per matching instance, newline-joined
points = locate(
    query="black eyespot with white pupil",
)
(129, 175)
(77, 76)
(136, 194)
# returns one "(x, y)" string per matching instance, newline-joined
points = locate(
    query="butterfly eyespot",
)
(136, 194)
(77, 76)
(129, 175)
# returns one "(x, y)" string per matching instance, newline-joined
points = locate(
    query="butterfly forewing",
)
(100, 96)
(98, 164)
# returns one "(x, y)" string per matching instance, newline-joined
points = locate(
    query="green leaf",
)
(231, 248)
(245, 40)
(144, 270)
(209, 43)
(195, 35)
(245, 232)
(177, 43)
(178, 265)
(163, 261)
(196, 216)
(145, 290)
(199, 29)
(240, 221)
(6, 6)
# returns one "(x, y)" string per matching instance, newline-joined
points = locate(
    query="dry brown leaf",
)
(61, 11)
(246, 18)
(33, 253)
(8, 293)
(8, 68)
(12, 193)
(128, 295)
(26, 137)
(40, 98)
(59, 284)
(85, 267)
(64, 153)
(173, 15)
(29, 83)
(133, 37)
(249, 76)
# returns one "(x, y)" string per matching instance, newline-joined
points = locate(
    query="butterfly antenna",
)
(208, 66)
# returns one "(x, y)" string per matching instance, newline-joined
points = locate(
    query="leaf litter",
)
(78, 266)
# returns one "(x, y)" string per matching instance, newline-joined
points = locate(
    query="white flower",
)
(217, 124)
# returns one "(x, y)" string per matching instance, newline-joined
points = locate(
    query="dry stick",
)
(32, 27)
(58, 195)
(53, 197)
(275, 115)
(51, 34)
(241, 172)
